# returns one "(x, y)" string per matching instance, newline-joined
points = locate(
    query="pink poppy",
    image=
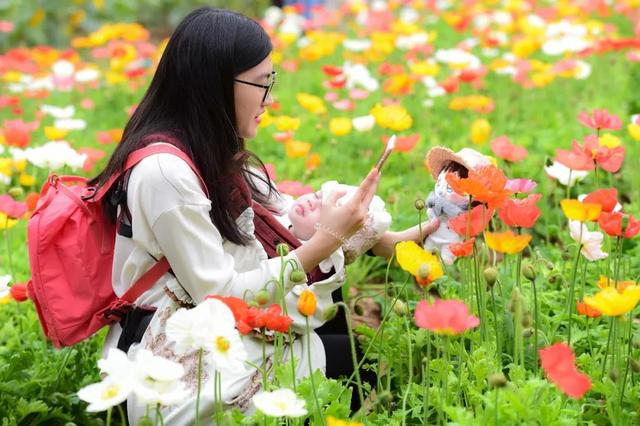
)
(11, 207)
(600, 119)
(503, 148)
(294, 188)
(93, 155)
(446, 317)
(558, 363)
(520, 185)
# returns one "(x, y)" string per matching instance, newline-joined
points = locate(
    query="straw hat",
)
(439, 156)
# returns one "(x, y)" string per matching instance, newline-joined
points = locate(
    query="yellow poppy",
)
(394, 117)
(480, 131)
(634, 131)
(583, 212)
(610, 141)
(55, 134)
(419, 262)
(5, 222)
(506, 242)
(605, 282)
(311, 103)
(285, 123)
(297, 149)
(613, 303)
(340, 126)
(332, 421)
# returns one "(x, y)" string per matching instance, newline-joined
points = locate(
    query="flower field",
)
(536, 322)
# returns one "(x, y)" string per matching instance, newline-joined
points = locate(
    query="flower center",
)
(110, 392)
(222, 344)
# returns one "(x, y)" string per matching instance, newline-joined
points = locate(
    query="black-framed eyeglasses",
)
(267, 87)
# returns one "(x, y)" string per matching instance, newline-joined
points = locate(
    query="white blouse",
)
(170, 217)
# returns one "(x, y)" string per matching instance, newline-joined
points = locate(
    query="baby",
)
(444, 203)
(304, 213)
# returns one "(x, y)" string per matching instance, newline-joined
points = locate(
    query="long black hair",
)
(191, 95)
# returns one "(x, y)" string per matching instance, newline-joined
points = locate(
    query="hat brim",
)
(439, 156)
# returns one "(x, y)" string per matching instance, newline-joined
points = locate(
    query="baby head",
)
(304, 214)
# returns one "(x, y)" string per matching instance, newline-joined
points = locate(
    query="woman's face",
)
(249, 99)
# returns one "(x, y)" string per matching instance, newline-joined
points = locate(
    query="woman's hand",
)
(346, 219)
(385, 246)
(338, 222)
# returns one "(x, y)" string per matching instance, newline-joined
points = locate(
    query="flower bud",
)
(145, 421)
(636, 342)
(419, 204)
(307, 303)
(490, 276)
(400, 308)
(297, 276)
(262, 297)
(613, 374)
(516, 299)
(529, 271)
(330, 313)
(253, 304)
(16, 192)
(386, 397)
(635, 365)
(423, 271)
(527, 320)
(497, 380)
(527, 332)
(282, 249)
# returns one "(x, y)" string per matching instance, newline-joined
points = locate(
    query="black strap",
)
(134, 324)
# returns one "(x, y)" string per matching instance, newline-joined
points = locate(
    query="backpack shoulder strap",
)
(140, 154)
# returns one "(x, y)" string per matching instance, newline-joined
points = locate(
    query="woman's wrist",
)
(319, 247)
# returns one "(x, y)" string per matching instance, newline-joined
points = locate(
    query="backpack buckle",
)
(89, 193)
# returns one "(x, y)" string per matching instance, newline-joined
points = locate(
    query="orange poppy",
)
(485, 184)
(470, 224)
(462, 249)
(520, 212)
(586, 310)
(607, 198)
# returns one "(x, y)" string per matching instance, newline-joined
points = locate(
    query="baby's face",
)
(304, 214)
(444, 190)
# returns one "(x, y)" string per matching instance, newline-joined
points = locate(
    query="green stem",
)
(495, 326)
(536, 323)
(427, 379)
(445, 379)
(313, 383)
(109, 416)
(352, 343)
(572, 287)
(406, 392)
(123, 417)
(606, 351)
(626, 368)
(495, 407)
(7, 235)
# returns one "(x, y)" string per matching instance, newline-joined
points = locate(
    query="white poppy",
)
(272, 16)
(412, 41)
(105, 394)
(4, 288)
(357, 75)
(209, 326)
(583, 70)
(87, 75)
(116, 365)
(63, 69)
(70, 124)
(562, 174)
(356, 45)
(409, 15)
(280, 403)
(591, 241)
(364, 123)
(59, 112)
(157, 379)
(55, 155)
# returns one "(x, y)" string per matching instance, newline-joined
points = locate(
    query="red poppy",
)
(611, 223)
(600, 119)
(586, 310)
(450, 85)
(271, 318)
(607, 198)
(472, 74)
(240, 310)
(503, 148)
(18, 133)
(471, 224)
(19, 292)
(387, 69)
(558, 362)
(31, 200)
(12, 208)
(462, 249)
(485, 184)
(332, 70)
(521, 213)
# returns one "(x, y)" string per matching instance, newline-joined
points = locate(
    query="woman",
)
(211, 86)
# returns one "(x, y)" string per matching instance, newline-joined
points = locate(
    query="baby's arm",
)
(384, 247)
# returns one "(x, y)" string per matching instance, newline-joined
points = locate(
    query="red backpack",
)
(71, 246)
